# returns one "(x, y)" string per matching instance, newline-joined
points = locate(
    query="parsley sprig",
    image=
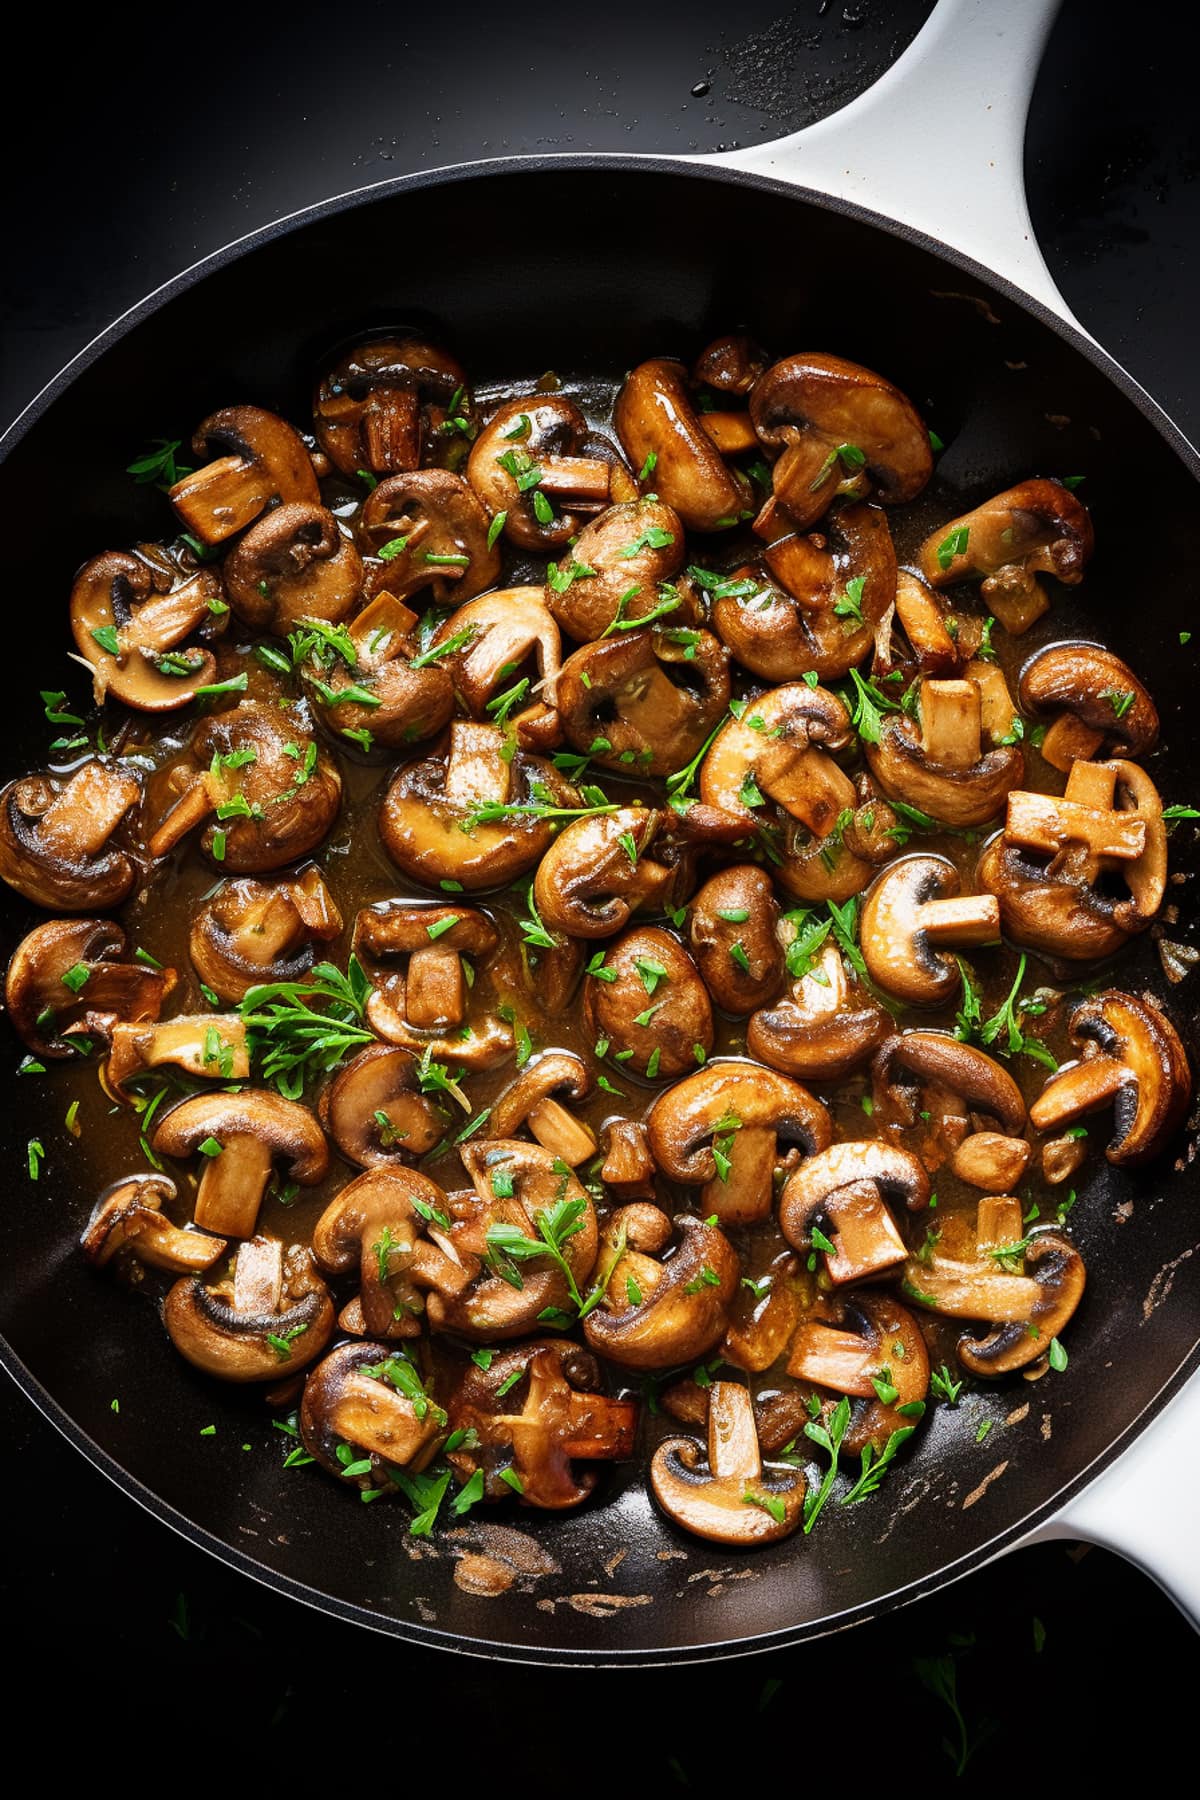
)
(301, 1029)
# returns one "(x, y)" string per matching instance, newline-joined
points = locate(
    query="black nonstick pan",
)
(634, 257)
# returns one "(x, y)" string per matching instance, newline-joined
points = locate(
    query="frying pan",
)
(834, 238)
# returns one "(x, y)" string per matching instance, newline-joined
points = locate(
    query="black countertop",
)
(165, 145)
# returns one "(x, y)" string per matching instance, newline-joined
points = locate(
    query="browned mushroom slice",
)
(926, 626)
(933, 1063)
(833, 423)
(612, 572)
(129, 1218)
(270, 1319)
(939, 765)
(131, 617)
(766, 1312)
(429, 530)
(912, 907)
(992, 1161)
(367, 1404)
(881, 1360)
(262, 790)
(212, 1045)
(628, 1167)
(259, 459)
(414, 956)
(390, 1227)
(375, 1112)
(824, 1028)
(516, 1183)
(67, 982)
(472, 817)
(1132, 1061)
(732, 933)
(370, 685)
(844, 861)
(535, 455)
(644, 702)
(241, 1136)
(730, 364)
(727, 1128)
(488, 642)
(530, 1101)
(730, 1498)
(54, 837)
(777, 751)
(380, 404)
(1097, 699)
(660, 1307)
(252, 932)
(525, 1421)
(599, 871)
(848, 1188)
(646, 1005)
(1038, 527)
(655, 416)
(294, 564)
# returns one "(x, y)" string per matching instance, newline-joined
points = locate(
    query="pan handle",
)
(938, 142)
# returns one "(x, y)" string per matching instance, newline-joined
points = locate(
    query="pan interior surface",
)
(586, 268)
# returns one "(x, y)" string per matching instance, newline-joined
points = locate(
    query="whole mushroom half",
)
(128, 1220)
(728, 1497)
(538, 466)
(614, 568)
(600, 870)
(292, 565)
(657, 418)
(1036, 528)
(429, 531)
(644, 702)
(825, 1027)
(912, 910)
(375, 1112)
(390, 1228)
(929, 1077)
(646, 1005)
(939, 764)
(1097, 699)
(414, 957)
(1132, 1061)
(869, 1347)
(485, 644)
(381, 405)
(370, 684)
(268, 1320)
(258, 461)
(252, 932)
(241, 1136)
(532, 1100)
(55, 837)
(68, 982)
(365, 1416)
(131, 617)
(779, 750)
(661, 1307)
(845, 1191)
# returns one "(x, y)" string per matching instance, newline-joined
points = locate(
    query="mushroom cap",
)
(769, 742)
(1132, 1059)
(824, 1029)
(505, 628)
(258, 458)
(682, 1122)
(655, 413)
(437, 515)
(555, 1072)
(297, 808)
(935, 1056)
(348, 1400)
(374, 404)
(588, 885)
(114, 989)
(236, 1346)
(896, 944)
(525, 432)
(1040, 525)
(250, 932)
(133, 597)
(674, 1005)
(1090, 682)
(73, 872)
(1040, 912)
(289, 1128)
(732, 936)
(129, 1216)
(293, 564)
(380, 1080)
(730, 364)
(898, 1176)
(728, 1498)
(645, 701)
(634, 546)
(683, 1315)
(381, 695)
(1057, 1270)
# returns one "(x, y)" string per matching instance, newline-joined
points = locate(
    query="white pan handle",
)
(939, 141)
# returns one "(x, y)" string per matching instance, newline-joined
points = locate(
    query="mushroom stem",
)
(435, 993)
(997, 1221)
(733, 433)
(232, 1186)
(564, 1136)
(833, 1359)
(733, 1450)
(80, 820)
(475, 770)
(807, 783)
(1068, 740)
(950, 723)
(747, 1192)
(963, 919)
(190, 810)
(1040, 822)
(924, 626)
(258, 1276)
(575, 477)
(1084, 1087)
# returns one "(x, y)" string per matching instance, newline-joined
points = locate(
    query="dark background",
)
(157, 141)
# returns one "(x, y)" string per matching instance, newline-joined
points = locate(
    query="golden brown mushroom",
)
(730, 1498)
(380, 405)
(240, 1137)
(293, 564)
(68, 982)
(251, 932)
(131, 616)
(258, 460)
(270, 1319)
(1133, 1061)
(655, 416)
(536, 454)
(55, 837)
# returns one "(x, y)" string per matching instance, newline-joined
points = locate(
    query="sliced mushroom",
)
(613, 570)
(67, 983)
(643, 703)
(270, 1319)
(848, 1188)
(939, 765)
(912, 906)
(824, 1028)
(1132, 1061)
(1038, 527)
(208, 1045)
(937, 650)
(730, 1499)
(645, 1002)
(530, 1417)
(628, 1167)
(294, 564)
(495, 638)
(777, 750)
(844, 861)
(655, 415)
(390, 1227)
(991, 1161)
(933, 1062)
(375, 1112)
(366, 1403)
(1097, 698)
(430, 531)
(131, 617)
(251, 932)
(259, 459)
(882, 1352)
(599, 871)
(732, 934)
(241, 1137)
(536, 452)
(530, 1101)
(765, 1315)
(727, 1127)
(55, 837)
(379, 405)
(832, 420)
(413, 955)
(129, 1217)
(372, 686)
(660, 1311)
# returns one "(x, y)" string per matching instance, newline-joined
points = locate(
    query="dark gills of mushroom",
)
(251, 932)
(365, 1414)
(370, 684)
(644, 702)
(267, 1320)
(939, 765)
(131, 617)
(258, 459)
(645, 1003)
(611, 574)
(55, 837)
(656, 416)
(240, 1137)
(728, 1497)
(68, 983)
(293, 564)
(661, 1307)
(1036, 528)
(429, 531)
(537, 465)
(1097, 699)
(1131, 1059)
(913, 909)
(382, 405)
(414, 957)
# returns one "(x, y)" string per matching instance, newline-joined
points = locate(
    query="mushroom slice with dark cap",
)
(731, 1498)
(252, 932)
(258, 459)
(390, 1227)
(912, 909)
(643, 703)
(55, 837)
(419, 999)
(525, 1421)
(661, 1308)
(365, 1413)
(128, 1218)
(867, 1346)
(380, 405)
(848, 1188)
(527, 1204)
(269, 1319)
(778, 750)
(730, 364)
(375, 1112)
(819, 604)
(368, 683)
(727, 1127)
(131, 617)
(656, 415)
(1132, 1061)
(598, 871)
(939, 764)
(1026, 1288)
(429, 530)
(732, 935)
(644, 1001)
(537, 453)
(531, 1101)
(933, 1062)
(241, 1136)
(478, 815)
(485, 643)
(209, 1045)
(263, 791)
(1097, 698)
(1038, 527)
(68, 980)
(612, 572)
(833, 423)
(293, 564)
(824, 1027)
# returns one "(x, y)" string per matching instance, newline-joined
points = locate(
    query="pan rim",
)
(130, 1485)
